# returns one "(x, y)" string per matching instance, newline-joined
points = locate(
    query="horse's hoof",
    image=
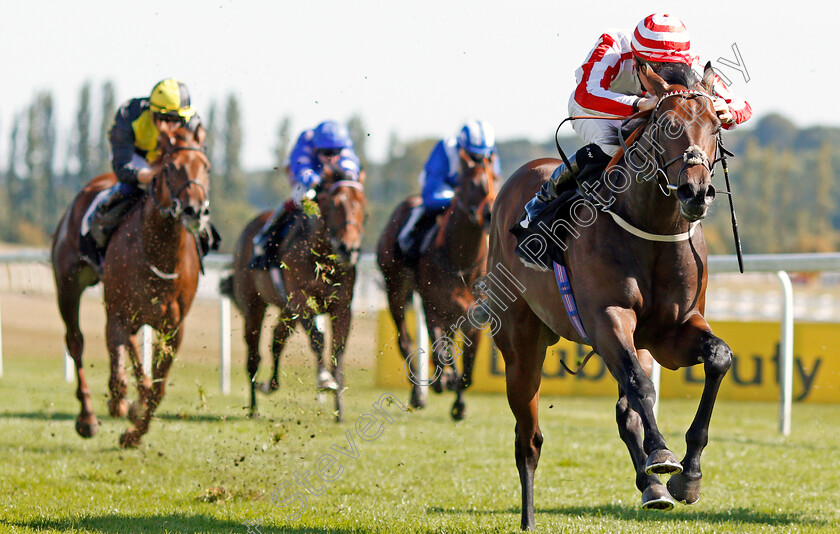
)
(130, 439)
(450, 380)
(269, 387)
(656, 497)
(415, 400)
(684, 489)
(118, 408)
(662, 462)
(87, 427)
(459, 410)
(326, 380)
(136, 411)
(253, 414)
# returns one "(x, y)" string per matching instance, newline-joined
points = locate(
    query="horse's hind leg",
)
(693, 344)
(254, 315)
(654, 494)
(69, 294)
(399, 288)
(282, 330)
(523, 346)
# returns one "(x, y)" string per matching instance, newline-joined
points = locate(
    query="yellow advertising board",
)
(753, 375)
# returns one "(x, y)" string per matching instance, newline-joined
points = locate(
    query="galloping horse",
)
(318, 278)
(639, 272)
(443, 277)
(150, 277)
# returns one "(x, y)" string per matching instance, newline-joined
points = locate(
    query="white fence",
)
(29, 270)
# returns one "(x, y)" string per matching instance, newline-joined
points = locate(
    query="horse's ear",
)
(200, 135)
(466, 160)
(362, 176)
(652, 82)
(709, 77)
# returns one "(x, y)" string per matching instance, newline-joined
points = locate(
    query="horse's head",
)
(684, 135)
(181, 189)
(342, 205)
(477, 188)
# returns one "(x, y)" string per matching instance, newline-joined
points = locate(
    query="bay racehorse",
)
(150, 277)
(443, 277)
(639, 274)
(318, 275)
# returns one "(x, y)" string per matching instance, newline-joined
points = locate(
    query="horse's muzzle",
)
(695, 200)
(195, 219)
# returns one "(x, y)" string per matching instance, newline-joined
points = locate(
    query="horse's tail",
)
(226, 286)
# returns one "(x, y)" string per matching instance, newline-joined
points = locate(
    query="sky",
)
(418, 69)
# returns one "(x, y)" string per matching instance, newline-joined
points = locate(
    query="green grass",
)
(205, 467)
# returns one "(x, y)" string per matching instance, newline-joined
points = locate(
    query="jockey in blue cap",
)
(440, 176)
(326, 147)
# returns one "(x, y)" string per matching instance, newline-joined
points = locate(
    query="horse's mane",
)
(672, 74)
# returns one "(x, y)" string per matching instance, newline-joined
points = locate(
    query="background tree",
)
(109, 109)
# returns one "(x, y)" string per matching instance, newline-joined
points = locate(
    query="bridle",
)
(175, 208)
(693, 155)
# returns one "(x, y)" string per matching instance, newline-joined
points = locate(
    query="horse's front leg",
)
(614, 341)
(694, 343)
(165, 348)
(282, 330)
(465, 380)
(654, 494)
(324, 379)
(121, 347)
(341, 318)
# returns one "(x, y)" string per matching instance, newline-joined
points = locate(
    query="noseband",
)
(175, 209)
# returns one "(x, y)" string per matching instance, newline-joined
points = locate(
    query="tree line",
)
(784, 177)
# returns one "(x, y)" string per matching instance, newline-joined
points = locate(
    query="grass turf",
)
(205, 467)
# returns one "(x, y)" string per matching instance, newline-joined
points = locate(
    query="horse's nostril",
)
(710, 192)
(686, 192)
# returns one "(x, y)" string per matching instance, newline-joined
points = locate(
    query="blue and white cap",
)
(331, 135)
(477, 137)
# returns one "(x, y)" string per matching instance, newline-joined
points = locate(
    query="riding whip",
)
(723, 154)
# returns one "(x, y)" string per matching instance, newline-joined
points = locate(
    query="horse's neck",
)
(163, 237)
(646, 207)
(465, 241)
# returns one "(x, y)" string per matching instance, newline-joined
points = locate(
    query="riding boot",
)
(106, 218)
(110, 213)
(408, 235)
(548, 191)
(259, 258)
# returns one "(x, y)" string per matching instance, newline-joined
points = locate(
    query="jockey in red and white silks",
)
(608, 82)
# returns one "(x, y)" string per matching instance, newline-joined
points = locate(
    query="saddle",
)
(424, 234)
(546, 238)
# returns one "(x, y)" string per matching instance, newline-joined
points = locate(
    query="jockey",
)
(440, 175)
(134, 151)
(326, 147)
(608, 83)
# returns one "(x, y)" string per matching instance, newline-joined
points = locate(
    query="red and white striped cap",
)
(662, 38)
